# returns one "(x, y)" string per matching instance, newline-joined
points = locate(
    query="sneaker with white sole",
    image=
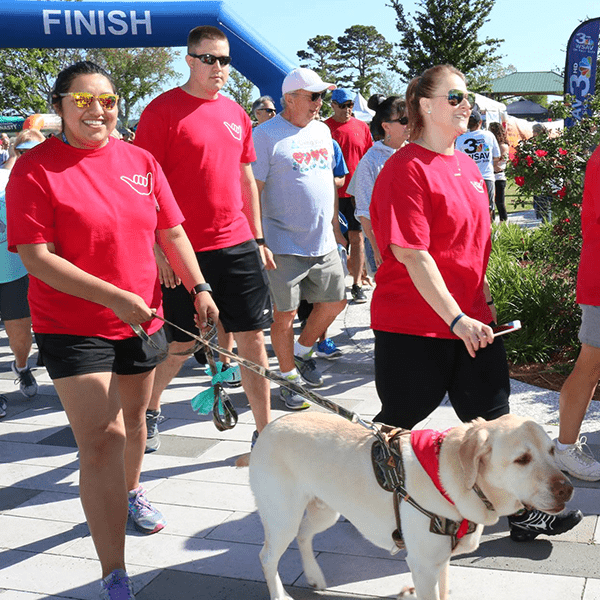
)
(3, 405)
(234, 375)
(327, 349)
(116, 586)
(578, 462)
(144, 516)
(307, 367)
(526, 525)
(27, 383)
(292, 400)
(153, 418)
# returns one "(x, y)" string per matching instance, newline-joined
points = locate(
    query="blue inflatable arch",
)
(26, 24)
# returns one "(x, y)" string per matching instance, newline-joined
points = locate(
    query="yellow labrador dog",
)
(307, 469)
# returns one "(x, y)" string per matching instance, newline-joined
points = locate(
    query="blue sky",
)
(535, 31)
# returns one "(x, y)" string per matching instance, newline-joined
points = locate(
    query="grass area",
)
(511, 198)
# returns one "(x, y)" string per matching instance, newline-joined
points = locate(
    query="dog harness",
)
(386, 456)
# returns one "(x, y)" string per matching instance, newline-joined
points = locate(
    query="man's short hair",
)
(204, 32)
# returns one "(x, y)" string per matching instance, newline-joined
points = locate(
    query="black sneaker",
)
(153, 418)
(527, 525)
(358, 295)
(3, 405)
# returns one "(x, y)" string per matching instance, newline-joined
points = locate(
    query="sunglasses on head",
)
(211, 59)
(455, 97)
(85, 99)
(401, 120)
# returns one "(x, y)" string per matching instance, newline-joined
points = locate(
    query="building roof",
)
(535, 82)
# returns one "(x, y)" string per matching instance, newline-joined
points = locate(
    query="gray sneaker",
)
(153, 418)
(292, 400)
(3, 405)
(26, 381)
(307, 367)
(577, 462)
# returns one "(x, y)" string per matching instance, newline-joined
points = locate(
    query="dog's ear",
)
(472, 450)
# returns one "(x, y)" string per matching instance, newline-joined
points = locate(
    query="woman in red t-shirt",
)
(432, 305)
(84, 212)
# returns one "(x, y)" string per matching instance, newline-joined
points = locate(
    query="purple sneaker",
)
(117, 586)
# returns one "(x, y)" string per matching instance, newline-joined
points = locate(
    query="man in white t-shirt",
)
(481, 145)
(294, 175)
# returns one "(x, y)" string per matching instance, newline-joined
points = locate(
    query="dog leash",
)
(263, 372)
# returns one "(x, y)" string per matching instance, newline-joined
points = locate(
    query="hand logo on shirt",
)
(234, 130)
(479, 186)
(140, 184)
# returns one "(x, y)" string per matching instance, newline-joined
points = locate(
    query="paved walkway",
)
(210, 546)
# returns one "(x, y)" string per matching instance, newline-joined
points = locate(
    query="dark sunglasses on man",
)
(345, 105)
(211, 59)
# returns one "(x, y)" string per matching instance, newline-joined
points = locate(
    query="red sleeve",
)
(150, 133)
(169, 214)
(248, 153)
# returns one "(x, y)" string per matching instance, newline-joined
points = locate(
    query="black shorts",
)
(347, 206)
(240, 290)
(69, 355)
(13, 299)
(413, 374)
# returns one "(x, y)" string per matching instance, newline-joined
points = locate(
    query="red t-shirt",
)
(200, 145)
(354, 138)
(419, 203)
(588, 277)
(101, 209)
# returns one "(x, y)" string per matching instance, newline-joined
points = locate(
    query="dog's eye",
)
(524, 459)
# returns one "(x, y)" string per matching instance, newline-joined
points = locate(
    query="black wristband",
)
(197, 289)
(260, 241)
(490, 303)
(456, 320)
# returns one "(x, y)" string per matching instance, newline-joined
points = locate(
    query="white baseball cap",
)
(305, 79)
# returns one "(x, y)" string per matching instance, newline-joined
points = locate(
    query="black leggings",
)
(500, 199)
(413, 374)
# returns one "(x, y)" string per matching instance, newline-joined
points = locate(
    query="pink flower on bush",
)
(515, 160)
(529, 161)
(562, 152)
(561, 192)
(541, 153)
(520, 181)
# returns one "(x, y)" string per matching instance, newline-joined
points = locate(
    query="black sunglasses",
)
(455, 97)
(401, 120)
(348, 104)
(271, 111)
(314, 96)
(211, 59)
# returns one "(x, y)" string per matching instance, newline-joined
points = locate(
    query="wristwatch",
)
(197, 289)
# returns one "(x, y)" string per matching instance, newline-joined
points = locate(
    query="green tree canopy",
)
(240, 89)
(322, 57)
(444, 31)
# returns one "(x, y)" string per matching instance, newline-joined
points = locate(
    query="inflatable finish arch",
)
(26, 24)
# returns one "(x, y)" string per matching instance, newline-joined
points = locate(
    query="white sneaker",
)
(577, 462)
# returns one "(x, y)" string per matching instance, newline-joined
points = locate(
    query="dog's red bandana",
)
(426, 445)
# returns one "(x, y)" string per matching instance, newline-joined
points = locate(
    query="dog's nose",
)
(562, 489)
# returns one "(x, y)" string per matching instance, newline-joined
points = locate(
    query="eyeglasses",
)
(348, 104)
(314, 96)
(271, 111)
(455, 97)
(85, 99)
(401, 120)
(211, 59)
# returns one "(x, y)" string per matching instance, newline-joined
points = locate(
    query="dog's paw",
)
(406, 593)
(315, 578)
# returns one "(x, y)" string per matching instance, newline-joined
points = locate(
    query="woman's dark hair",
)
(67, 76)
(423, 86)
(385, 110)
(498, 131)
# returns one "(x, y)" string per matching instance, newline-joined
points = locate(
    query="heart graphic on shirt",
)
(298, 157)
(478, 185)
(324, 153)
(315, 154)
(235, 130)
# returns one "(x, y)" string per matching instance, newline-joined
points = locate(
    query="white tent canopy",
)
(361, 110)
(495, 112)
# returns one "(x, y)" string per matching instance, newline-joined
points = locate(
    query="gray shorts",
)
(312, 278)
(589, 332)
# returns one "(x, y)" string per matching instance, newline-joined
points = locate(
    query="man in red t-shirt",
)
(201, 139)
(354, 137)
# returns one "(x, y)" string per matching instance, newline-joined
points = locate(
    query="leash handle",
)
(272, 376)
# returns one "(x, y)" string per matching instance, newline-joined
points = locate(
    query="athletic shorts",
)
(240, 290)
(589, 332)
(347, 208)
(13, 299)
(414, 373)
(69, 355)
(312, 278)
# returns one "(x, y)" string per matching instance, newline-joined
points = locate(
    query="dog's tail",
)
(243, 460)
